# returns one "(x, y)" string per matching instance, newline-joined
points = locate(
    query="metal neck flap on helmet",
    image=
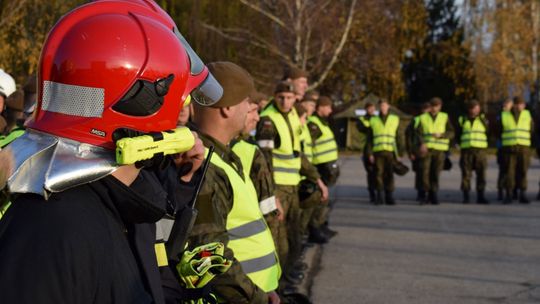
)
(44, 164)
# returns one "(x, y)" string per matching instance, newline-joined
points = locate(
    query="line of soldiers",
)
(223, 221)
(428, 141)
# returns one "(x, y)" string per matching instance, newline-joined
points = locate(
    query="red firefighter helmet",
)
(112, 65)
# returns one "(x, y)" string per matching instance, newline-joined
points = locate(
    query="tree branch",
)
(265, 13)
(339, 48)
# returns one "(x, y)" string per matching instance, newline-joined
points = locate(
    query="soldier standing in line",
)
(473, 141)
(227, 204)
(278, 135)
(506, 107)
(383, 143)
(516, 132)
(363, 126)
(325, 156)
(434, 133)
(414, 153)
(257, 167)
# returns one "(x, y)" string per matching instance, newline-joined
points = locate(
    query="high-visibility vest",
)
(473, 135)
(246, 152)
(384, 134)
(249, 236)
(325, 147)
(416, 121)
(365, 121)
(307, 143)
(430, 127)
(6, 140)
(516, 133)
(286, 161)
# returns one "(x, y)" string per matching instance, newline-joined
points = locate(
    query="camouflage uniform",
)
(214, 204)
(363, 126)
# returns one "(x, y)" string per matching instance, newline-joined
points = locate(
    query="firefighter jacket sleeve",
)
(214, 204)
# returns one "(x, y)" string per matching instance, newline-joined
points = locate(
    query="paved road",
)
(451, 253)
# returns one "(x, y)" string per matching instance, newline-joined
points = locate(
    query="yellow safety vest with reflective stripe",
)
(325, 147)
(416, 121)
(286, 161)
(430, 127)
(472, 135)
(249, 236)
(384, 134)
(246, 153)
(307, 143)
(516, 133)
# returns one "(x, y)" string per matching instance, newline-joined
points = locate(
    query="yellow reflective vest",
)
(473, 135)
(384, 134)
(431, 126)
(286, 161)
(307, 143)
(249, 236)
(325, 148)
(516, 133)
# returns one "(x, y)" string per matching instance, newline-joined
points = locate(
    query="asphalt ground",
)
(451, 253)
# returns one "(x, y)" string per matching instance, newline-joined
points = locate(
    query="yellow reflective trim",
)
(161, 254)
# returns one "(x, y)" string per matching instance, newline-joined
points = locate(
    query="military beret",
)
(237, 83)
(284, 87)
(435, 101)
(324, 101)
(295, 73)
(311, 96)
(519, 100)
(15, 101)
(472, 103)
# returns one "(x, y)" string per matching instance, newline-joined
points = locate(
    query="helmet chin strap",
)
(46, 164)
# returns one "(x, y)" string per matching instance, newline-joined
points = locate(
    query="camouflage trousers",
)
(515, 164)
(289, 238)
(473, 160)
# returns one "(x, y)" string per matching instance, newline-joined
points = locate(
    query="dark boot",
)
(379, 198)
(317, 236)
(328, 232)
(480, 198)
(389, 198)
(538, 196)
(466, 198)
(500, 194)
(426, 200)
(371, 196)
(420, 196)
(515, 194)
(523, 197)
(433, 198)
(508, 197)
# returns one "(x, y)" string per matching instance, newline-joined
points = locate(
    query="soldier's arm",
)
(361, 125)
(262, 176)
(449, 133)
(314, 131)
(213, 205)
(418, 135)
(309, 170)
(400, 142)
(409, 138)
(368, 149)
(267, 137)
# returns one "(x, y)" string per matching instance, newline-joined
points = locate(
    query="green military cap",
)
(237, 83)
(324, 101)
(435, 101)
(295, 73)
(15, 101)
(284, 87)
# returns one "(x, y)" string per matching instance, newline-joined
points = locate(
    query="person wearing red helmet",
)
(108, 69)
